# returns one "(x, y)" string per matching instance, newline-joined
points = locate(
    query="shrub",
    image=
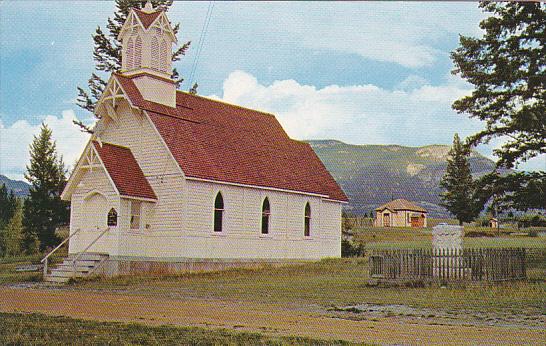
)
(350, 248)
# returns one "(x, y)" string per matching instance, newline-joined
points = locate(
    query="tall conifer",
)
(7, 205)
(458, 184)
(507, 67)
(43, 209)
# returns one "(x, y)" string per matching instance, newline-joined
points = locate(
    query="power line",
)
(201, 43)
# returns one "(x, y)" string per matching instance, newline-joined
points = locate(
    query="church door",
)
(94, 213)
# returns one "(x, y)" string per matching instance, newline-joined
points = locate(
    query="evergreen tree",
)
(7, 208)
(107, 53)
(507, 67)
(43, 209)
(12, 235)
(7, 205)
(458, 184)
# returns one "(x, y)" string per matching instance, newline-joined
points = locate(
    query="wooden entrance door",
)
(386, 220)
(417, 221)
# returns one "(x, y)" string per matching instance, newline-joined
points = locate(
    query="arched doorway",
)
(94, 220)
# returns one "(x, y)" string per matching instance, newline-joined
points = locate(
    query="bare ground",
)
(360, 324)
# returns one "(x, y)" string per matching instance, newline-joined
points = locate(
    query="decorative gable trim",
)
(89, 159)
(160, 22)
(111, 97)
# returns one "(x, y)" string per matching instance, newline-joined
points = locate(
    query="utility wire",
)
(201, 41)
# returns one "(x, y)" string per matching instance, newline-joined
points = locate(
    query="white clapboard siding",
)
(135, 131)
(96, 191)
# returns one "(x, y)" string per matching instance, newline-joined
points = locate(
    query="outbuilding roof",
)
(217, 141)
(401, 204)
(124, 170)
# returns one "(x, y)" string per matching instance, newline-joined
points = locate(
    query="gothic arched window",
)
(164, 56)
(138, 53)
(112, 220)
(307, 220)
(154, 53)
(218, 212)
(266, 213)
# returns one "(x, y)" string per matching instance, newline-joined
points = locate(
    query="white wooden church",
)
(173, 181)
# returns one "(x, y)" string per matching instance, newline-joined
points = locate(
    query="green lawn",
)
(411, 238)
(336, 282)
(37, 329)
(9, 275)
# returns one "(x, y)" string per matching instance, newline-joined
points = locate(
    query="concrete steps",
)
(84, 266)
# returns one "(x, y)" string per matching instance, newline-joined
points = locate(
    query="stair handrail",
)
(87, 248)
(45, 260)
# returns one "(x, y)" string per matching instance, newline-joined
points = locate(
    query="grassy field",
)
(410, 238)
(328, 283)
(37, 329)
(328, 288)
(8, 274)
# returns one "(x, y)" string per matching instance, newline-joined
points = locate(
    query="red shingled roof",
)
(124, 171)
(218, 141)
(146, 18)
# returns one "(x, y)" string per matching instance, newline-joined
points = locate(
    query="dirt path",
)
(264, 318)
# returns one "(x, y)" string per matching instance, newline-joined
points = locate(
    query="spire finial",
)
(148, 8)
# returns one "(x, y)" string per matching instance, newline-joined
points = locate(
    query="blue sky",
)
(364, 73)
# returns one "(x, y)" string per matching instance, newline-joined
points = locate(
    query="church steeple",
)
(147, 39)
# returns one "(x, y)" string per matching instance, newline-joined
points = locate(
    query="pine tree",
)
(12, 235)
(7, 209)
(7, 205)
(43, 209)
(107, 54)
(507, 67)
(458, 183)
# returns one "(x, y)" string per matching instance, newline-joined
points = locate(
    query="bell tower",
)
(147, 38)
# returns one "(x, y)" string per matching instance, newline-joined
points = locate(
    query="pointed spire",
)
(148, 8)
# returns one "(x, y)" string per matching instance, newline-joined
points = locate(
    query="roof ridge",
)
(224, 102)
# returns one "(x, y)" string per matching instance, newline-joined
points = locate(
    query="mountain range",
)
(372, 175)
(19, 188)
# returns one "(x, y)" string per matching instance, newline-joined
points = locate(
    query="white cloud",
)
(356, 114)
(418, 114)
(16, 138)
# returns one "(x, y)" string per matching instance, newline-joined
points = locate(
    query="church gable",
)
(120, 166)
(112, 97)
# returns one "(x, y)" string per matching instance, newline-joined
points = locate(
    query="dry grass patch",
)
(327, 283)
(37, 329)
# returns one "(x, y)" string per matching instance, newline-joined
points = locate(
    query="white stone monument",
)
(447, 247)
(447, 237)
